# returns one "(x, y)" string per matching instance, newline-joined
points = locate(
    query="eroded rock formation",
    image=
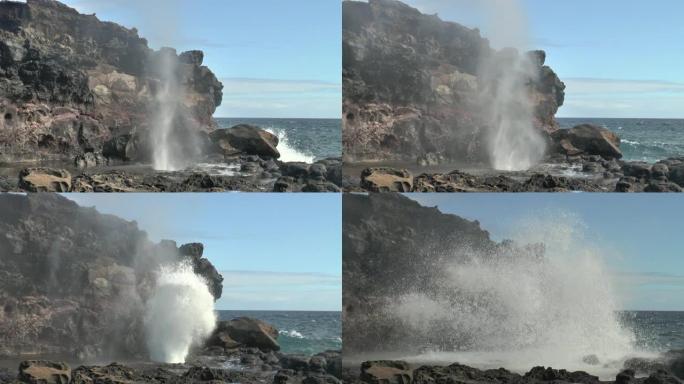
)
(412, 85)
(70, 83)
(73, 281)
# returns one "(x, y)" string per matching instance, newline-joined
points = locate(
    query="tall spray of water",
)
(179, 314)
(167, 100)
(518, 308)
(513, 142)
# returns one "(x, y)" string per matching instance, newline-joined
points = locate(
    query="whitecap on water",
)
(288, 153)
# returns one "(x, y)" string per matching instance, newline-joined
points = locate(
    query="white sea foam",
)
(292, 333)
(288, 153)
(518, 311)
(179, 314)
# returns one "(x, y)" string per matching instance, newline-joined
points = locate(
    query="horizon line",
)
(276, 118)
(625, 118)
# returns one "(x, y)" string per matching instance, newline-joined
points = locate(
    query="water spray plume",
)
(179, 314)
(514, 143)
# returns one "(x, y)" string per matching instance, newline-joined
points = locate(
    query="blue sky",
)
(618, 58)
(640, 236)
(275, 251)
(275, 58)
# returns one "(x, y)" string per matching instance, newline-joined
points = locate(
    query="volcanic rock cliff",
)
(412, 85)
(70, 82)
(73, 281)
(393, 246)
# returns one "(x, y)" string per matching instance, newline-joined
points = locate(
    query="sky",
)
(275, 251)
(278, 59)
(639, 236)
(618, 59)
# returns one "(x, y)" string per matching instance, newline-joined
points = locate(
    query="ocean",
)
(647, 140)
(656, 331)
(304, 140)
(300, 332)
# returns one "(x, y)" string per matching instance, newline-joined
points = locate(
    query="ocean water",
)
(647, 140)
(656, 331)
(304, 140)
(300, 331)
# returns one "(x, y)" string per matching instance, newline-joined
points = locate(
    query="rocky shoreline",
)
(252, 359)
(668, 370)
(589, 153)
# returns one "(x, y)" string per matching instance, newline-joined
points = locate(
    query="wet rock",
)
(248, 333)
(676, 174)
(589, 139)
(457, 373)
(88, 160)
(662, 186)
(124, 147)
(386, 180)
(44, 372)
(556, 375)
(246, 139)
(44, 180)
(640, 170)
(662, 377)
(386, 372)
(625, 377)
(660, 170)
(295, 362)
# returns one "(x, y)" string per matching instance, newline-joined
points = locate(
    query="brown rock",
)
(588, 139)
(44, 372)
(246, 139)
(386, 372)
(45, 180)
(386, 180)
(245, 332)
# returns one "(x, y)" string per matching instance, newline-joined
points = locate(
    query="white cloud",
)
(240, 86)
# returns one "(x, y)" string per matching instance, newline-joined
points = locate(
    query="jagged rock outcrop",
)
(400, 372)
(73, 281)
(244, 332)
(412, 85)
(69, 83)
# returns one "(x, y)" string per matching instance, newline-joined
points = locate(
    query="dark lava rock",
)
(247, 139)
(245, 332)
(588, 139)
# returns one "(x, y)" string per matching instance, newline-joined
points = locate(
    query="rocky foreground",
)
(242, 350)
(591, 154)
(74, 283)
(669, 370)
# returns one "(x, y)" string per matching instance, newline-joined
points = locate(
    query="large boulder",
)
(244, 332)
(44, 180)
(386, 179)
(44, 372)
(386, 372)
(589, 140)
(247, 139)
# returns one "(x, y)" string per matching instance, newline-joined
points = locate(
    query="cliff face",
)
(69, 82)
(393, 246)
(73, 281)
(412, 85)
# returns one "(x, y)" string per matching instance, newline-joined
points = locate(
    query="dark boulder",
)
(245, 332)
(589, 140)
(246, 139)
